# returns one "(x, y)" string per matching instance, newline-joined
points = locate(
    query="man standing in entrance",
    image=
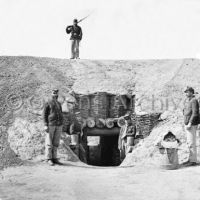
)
(76, 36)
(53, 121)
(191, 121)
(128, 129)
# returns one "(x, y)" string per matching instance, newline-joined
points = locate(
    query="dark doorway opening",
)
(110, 154)
(106, 153)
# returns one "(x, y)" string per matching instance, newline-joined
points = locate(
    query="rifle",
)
(84, 18)
(70, 26)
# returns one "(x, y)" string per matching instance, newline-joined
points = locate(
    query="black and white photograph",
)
(99, 100)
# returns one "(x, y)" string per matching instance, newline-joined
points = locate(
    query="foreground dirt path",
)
(79, 182)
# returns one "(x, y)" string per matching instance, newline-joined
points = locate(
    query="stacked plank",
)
(104, 105)
(84, 104)
(99, 105)
(101, 108)
(92, 105)
(117, 109)
(146, 122)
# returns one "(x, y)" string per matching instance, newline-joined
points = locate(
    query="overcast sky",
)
(116, 29)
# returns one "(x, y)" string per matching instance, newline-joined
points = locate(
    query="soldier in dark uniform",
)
(191, 121)
(53, 123)
(76, 36)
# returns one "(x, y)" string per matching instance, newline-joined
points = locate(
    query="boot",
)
(56, 161)
(50, 162)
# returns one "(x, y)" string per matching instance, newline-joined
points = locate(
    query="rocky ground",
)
(77, 181)
(24, 85)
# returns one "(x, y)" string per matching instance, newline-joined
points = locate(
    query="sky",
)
(116, 29)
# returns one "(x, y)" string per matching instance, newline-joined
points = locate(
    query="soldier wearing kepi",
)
(76, 37)
(191, 121)
(53, 121)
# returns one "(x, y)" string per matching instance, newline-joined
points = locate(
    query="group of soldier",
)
(53, 112)
(53, 124)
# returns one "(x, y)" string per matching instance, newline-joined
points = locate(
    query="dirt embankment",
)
(24, 85)
(25, 82)
(168, 97)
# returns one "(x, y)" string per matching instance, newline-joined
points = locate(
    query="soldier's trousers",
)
(52, 141)
(191, 141)
(75, 48)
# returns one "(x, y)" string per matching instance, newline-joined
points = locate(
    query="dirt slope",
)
(25, 82)
(146, 152)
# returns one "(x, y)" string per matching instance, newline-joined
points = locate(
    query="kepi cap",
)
(189, 89)
(55, 92)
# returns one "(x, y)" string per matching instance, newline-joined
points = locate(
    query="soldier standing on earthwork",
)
(76, 37)
(53, 121)
(191, 121)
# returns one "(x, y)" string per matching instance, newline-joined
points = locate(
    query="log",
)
(90, 122)
(109, 123)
